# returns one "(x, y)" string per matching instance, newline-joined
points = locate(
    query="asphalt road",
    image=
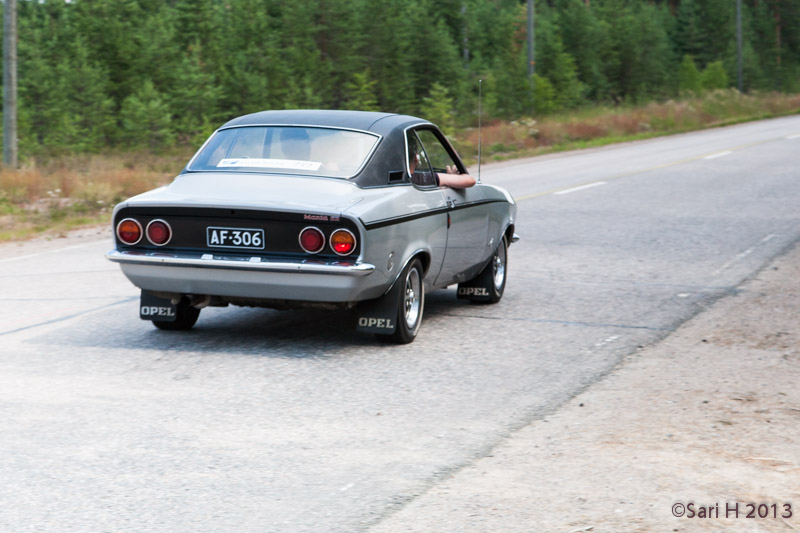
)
(261, 420)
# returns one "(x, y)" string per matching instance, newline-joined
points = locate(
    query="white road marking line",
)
(587, 186)
(719, 154)
(684, 295)
(795, 136)
(347, 487)
(744, 254)
(637, 172)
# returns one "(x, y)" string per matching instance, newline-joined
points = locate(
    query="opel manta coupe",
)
(304, 208)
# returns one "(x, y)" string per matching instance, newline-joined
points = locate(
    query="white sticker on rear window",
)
(256, 162)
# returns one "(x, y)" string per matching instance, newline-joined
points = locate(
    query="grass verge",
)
(54, 195)
(599, 126)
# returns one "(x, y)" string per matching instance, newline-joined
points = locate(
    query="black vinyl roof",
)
(380, 123)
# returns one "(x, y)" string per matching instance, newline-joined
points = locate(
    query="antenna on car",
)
(480, 83)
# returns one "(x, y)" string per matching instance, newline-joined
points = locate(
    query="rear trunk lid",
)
(297, 194)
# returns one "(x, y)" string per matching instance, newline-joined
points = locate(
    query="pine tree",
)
(390, 59)
(194, 98)
(342, 45)
(361, 93)
(689, 38)
(434, 55)
(254, 76)
(89, 105)
(641, 57)
(309, 80)
(437, 107)
(146, 120)
(718, 27)
(757, 32)
(586, 39)
(556, 64)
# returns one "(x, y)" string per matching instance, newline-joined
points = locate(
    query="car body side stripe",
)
(431, 212)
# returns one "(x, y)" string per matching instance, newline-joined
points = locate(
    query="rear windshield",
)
(286, 150)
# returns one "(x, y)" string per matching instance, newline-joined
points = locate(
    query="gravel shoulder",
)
(710, 415)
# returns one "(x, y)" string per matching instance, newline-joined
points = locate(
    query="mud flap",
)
(380, 315)
(156, 309)
(479, 288)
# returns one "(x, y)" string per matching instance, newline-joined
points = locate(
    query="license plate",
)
(246, 238)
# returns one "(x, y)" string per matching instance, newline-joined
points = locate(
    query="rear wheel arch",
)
(425, 258)
(420, 253)
(509, 234)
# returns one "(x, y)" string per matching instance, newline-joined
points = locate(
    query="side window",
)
(438, 155)
(419, 166)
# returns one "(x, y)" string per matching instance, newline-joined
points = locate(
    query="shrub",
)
(544, 95)
(689, 76)
(714, 76)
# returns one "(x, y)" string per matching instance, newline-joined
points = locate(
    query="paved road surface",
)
(259, 420)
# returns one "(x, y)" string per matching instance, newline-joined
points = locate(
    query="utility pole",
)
(466, 35)
(10, 84)
(531, 55)
(739, 45)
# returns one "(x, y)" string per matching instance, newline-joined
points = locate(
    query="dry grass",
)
(66, 192)
(599, 125)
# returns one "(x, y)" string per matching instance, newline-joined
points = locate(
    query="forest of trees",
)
(153, 73)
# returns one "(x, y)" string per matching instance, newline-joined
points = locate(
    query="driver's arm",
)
(454, 180)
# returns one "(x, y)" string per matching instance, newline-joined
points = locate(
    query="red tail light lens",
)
(343, 242)
(159, 232)
(129, 231)
(312, 240)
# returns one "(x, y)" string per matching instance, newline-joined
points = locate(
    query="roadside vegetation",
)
(601, 125)
(115, 95)
(56, 194)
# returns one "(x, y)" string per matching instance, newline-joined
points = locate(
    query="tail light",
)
(158, 232)
(129, 231)
(312, 240)
(343, 242)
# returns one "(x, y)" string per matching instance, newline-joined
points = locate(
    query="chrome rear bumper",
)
(260, 264)
(249, 277)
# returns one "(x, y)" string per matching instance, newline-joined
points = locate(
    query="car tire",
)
(494, 275)
(410, 305)
(185, 318)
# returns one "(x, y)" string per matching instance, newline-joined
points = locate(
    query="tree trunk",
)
(778, 34)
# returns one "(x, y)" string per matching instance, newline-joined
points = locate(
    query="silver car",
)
(332, 209)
